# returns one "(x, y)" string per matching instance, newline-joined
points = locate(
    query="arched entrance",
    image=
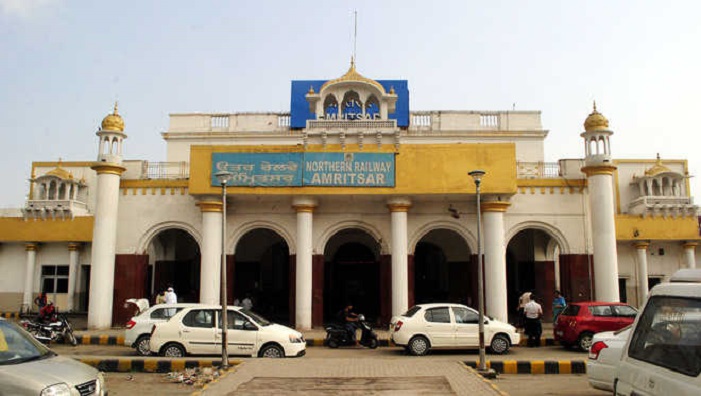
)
(443, 269)
(262, 270)
(175, 261)
(530, 266)
(352, 274)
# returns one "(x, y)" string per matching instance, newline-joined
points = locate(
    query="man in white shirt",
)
(171, 298)
(533, 312)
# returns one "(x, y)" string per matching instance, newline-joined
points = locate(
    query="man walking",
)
(533, 313)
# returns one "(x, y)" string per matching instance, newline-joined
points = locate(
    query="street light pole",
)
(223, 177)
(482, 367)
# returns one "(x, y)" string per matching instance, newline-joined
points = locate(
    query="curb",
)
(10, 315)
(147, 365)
(535, 366)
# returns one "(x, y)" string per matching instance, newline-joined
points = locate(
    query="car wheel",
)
(143, 345)
(272, 351)
(173, 350)
(373, 343)
(419, 346)
(332, 344)
(499, 344)
(584, 342)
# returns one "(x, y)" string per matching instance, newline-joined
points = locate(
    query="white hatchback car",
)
(604, 355)
(197, 331)
(138, 329)
(427, 326)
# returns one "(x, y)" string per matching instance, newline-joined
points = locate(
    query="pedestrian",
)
(161, 297)
(246, 303)
(350, 319)
(40, 300)
(171, 298)
(534, 328)
(559, 305)
(522, 301)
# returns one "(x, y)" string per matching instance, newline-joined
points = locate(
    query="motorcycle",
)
(57, 329)
(337, 335)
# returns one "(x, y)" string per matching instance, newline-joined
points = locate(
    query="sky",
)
(65, 62)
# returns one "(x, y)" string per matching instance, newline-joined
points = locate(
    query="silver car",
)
(27, 367)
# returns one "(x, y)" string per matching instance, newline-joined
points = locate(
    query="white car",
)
(138, 329)
(27, 367)
(197, 331)
(427, 326)
(604, 355)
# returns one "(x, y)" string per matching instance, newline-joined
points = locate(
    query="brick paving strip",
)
(323, 376)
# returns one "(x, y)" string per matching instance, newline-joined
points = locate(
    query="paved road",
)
(356, 371)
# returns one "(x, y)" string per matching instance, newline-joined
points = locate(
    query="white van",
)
(663, 353)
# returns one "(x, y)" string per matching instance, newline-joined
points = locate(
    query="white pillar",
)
(600, 181)
(495, 259)
(400, 257)
(690, 254)
(210, 265)
(27, 301)
(73, 257)
(303, 281)
(641, 250)
(104, 246)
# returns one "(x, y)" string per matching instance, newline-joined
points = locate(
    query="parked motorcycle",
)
(337, 335)
(57, 329)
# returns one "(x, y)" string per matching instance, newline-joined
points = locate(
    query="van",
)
(663, 353)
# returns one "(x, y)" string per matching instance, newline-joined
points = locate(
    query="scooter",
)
(337, 335)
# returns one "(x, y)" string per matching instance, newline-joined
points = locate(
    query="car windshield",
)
(18, 346)
(411, 311)
(257, 318)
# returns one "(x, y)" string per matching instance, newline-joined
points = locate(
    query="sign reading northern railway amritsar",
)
(306, 169)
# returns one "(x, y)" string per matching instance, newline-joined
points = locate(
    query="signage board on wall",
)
(306, 169)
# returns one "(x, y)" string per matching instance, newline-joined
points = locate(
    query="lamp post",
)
(223, 177)
(482, 368)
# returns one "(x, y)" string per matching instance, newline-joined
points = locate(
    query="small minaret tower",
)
(599, 170)
(104, 240)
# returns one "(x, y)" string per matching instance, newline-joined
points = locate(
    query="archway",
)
(352, 274)
(443, 270)
(530, 266)
(262, 270)
(175, 262)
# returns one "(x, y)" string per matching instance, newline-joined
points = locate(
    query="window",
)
(601, 310)
(438, 315)
(235, 320)
(571, 310)
(54, 278)
(412, 311)
(622, 290)
(624, 310)
(199, 318)
(668, 334)
(165, 313)
(463, 315)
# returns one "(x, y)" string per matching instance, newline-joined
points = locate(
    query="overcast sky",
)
(65, 62)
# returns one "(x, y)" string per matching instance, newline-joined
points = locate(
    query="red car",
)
(578, 323)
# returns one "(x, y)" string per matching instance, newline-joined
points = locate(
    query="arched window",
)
(330, 107)
(351, 107)
(372, 107)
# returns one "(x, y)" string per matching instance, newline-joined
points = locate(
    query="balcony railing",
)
(538, 170)
(165, 170)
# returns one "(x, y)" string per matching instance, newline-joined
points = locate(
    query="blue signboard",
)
(300, 112)
(306, 169)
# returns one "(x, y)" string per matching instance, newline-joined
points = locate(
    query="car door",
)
(439, 327)
(466, 327)
(242, 335)
(198, 331)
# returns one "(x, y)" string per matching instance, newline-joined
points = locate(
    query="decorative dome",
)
(657, 168)
(596, 121)
(113, 122)
(353, 76)
(59, 172)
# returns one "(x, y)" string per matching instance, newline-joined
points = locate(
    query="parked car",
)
(27, 367)
(604, 355)
(197, 331)
(578, 323)
(138, 329)
(435, 326)
(662, 356)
